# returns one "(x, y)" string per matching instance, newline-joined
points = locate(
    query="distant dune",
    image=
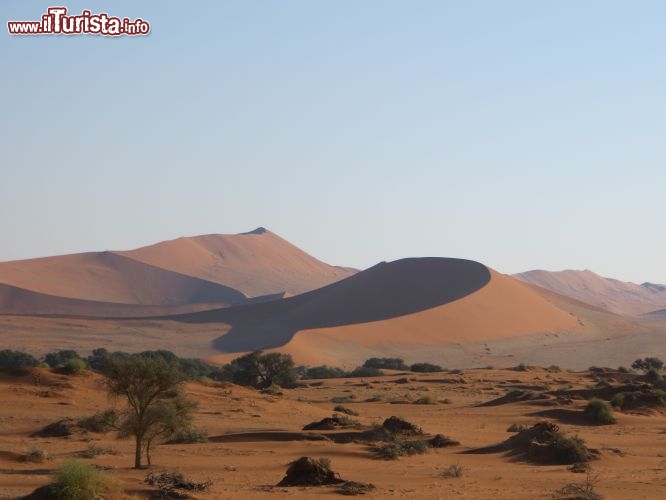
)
(172, 277)
(406, 304)
(609, 294)
(255, 263)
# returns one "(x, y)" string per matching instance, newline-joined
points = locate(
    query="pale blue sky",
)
(523, 134)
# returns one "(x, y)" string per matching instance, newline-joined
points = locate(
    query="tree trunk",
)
(137, 452)
(148, 452)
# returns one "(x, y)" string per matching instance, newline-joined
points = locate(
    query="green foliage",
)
(58, 359)
(646, 364)
(76, 480)
(100, 422)
(642, 399)
(155, 406)
(599, 412)
(190, 435)
(73, 366)
(323, 371)
(386, 363)
(395, 449)
(425, 368)
(16, 360)
(364, 371)
(554, 369)
(623, 369)
(261, 370)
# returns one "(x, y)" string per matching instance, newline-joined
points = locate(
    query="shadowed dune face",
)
(385, 291)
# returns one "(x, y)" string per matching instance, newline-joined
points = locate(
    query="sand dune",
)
(214, 269)
(256, 263)
(404, 305)
(610, 294)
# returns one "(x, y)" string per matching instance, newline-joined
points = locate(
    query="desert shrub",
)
(34, 455)
(16, 360)
(425, 368)
(261, 370)
(599, 412)
(623, 369)
(336, 421)
(60, 428)
(554, 369)
(442, 441)
(386, 363)
(76, 480)
(453, 470)
(273, 390)
(375, 398)
(399, 426)
(195, 369)
(646, 364)
(73, 366)
(544, 444)
(516, 428)
(343, 399)
(366, 371)
(346, 411)
(523, 367)
(653, 376)
(100, 422)
(189, 435)
(395, 449)
(57, 359)
(428, 399)
(569, 450)
(353, 488)
(168, 482)
(308, 471)
(580, 491)
(324, 371)
(643, 399)
(93, 450)
(618, 400)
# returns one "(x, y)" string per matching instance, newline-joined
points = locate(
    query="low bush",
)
(76, 480)
(190, 435)
(453, 470)
(365, 371)
(599, 412)
(386, 363)
(428, 399)
(73, 366)
(34, 455)
(425, 368)
(346, 411)
(16, 360)
(395, 449)
(324, 371)
(100, 422)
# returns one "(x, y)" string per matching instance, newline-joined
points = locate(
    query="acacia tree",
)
(156, 407)
(261, 370)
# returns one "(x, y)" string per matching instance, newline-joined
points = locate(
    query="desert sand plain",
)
(253, 436)
(218, 296)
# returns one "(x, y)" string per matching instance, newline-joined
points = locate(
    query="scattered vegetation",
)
(16, 361)
(646, 364)
(324, 371)
(58, 359)
(352, 488)
(425, 368)
(76, 480)
(100, 422)
(336, 421)
(60, 428)
(34, 455)
(453, 471)
(94, 450)
(428, 399)
(599, 412)
(260, 370)
(189, 435)
(386, 363)
(155, 406)
(643, 399)
(345, 410)
(580, 491)
(307, 471)
(394, 449)
(168, 484)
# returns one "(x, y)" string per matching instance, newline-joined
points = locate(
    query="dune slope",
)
(612, 295)
(256, 263)
(407, 304)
